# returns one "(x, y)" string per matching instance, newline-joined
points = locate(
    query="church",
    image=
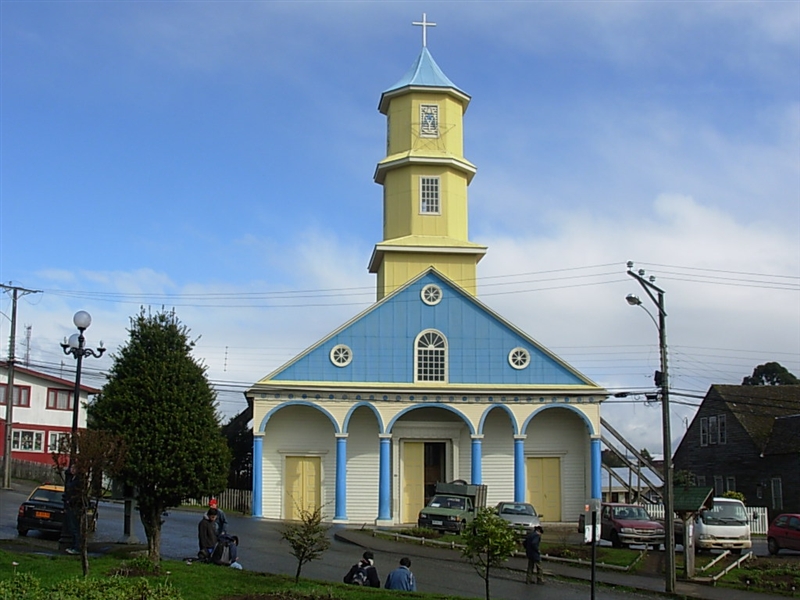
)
(428, 384)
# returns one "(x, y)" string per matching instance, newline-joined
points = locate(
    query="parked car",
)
(520, 515)
(724, 526)
(784, 532)
(44, 511)
(453, 507)
(626, 524)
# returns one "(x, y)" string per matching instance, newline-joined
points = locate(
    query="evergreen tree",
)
(771, 373)
(158, 399)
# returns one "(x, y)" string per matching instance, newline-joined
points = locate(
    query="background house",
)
(747, 439)
(42, 412)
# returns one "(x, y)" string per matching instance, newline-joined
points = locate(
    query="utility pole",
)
(656, 294)
(16, 292)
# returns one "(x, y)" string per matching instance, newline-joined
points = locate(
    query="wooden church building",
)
(428, 384)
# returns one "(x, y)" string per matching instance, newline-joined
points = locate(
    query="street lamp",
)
(656, 294)
(76, 346)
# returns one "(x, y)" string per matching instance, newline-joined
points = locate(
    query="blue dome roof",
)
(423, 73)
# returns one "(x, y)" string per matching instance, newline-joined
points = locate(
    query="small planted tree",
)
(308, 537)
(488, 543)
(98, 454)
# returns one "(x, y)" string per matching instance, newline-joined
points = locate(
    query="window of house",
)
(59, 399)
(759, 491)
(429, 195)
(722, 429)
(429, 120)
(777, 493)
(55, 440)
(712, 430)
(704, 431)
(431, 357)
(701, 481)
(730, 484)
(718, 489)
(519, 358)
(26, 441)
(22, 395)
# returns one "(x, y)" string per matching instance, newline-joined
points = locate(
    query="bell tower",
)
(424, 177)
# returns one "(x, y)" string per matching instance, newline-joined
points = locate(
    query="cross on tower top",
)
(424, 24)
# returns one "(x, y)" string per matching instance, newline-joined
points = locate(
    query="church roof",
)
(424, 73)
(381, 341)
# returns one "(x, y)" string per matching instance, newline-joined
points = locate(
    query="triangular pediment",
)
(381, 340)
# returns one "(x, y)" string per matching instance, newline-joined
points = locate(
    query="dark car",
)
(44, 511)
(784, 533)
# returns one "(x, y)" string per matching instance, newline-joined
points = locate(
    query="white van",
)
(724, 526)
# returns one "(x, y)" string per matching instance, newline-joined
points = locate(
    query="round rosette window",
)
(341, 355)
(519, 358)
(431, 294)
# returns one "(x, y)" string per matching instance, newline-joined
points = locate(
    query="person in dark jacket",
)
(72, 507)
(402, 578)
(207, 533)
(531, 544)
(366, 566)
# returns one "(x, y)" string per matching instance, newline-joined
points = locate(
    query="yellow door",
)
(544, 486)
(413, 480)
(302, 485)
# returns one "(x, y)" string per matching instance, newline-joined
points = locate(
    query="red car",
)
(784, 533)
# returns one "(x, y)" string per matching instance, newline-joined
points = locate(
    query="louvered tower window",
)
(431, 357)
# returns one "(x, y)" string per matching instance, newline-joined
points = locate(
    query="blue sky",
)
(217, 157)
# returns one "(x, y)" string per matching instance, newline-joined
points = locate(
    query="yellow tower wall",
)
(404, 110)
(398, 267)
(402, 215)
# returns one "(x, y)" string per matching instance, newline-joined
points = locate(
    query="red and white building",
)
(41, 414)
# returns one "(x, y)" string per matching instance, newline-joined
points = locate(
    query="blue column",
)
(477, 472)
(519, 468)
(340, 510)
(596, 469)
(258, 478)
(385, 479)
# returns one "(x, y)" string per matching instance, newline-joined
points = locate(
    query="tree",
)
(646, 454)
(159, 400)
(240, 443)
(98, 454)
(771, 373)
(488, 543)
(308, 537)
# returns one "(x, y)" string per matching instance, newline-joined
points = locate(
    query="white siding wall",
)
(363, 458)
(297, 431)
(498, 458)
(464, 457)
(560, 432)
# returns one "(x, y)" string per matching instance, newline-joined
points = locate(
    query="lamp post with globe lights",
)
(76, 346)
(656, 294)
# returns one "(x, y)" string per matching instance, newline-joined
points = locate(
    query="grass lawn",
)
(195, 581)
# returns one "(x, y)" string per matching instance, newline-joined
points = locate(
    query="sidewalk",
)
(608, 578)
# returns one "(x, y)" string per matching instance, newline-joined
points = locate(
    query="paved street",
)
(261, 550)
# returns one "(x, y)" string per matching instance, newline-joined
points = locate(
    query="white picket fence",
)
(230, 501)
(758, 525)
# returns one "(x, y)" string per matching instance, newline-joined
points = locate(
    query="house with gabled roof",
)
(747, 439)
(428, 384)
(41, 413)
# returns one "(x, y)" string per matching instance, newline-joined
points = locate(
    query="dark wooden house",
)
(747, 439)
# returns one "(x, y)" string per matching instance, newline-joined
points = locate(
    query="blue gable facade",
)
(382, 341)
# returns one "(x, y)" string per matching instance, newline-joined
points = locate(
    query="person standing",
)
(73, 504)
(207, 533)
(222, 520)
(531, 544)
(364, 572)
(402, 578)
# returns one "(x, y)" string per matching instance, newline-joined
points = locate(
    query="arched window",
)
(430, 357)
